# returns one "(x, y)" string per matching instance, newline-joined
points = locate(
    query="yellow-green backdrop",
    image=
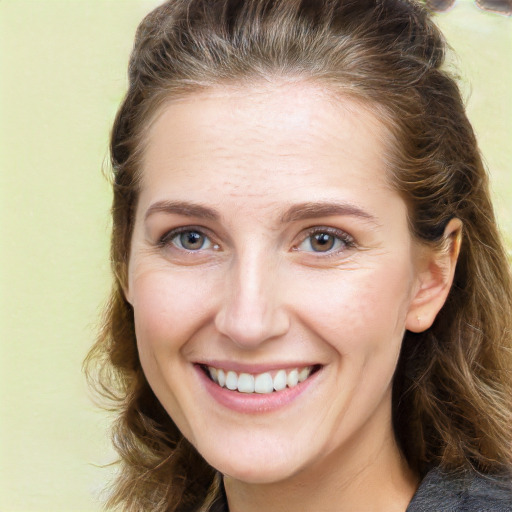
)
(62, 75)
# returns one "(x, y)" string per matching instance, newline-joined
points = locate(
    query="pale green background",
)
(62, 74)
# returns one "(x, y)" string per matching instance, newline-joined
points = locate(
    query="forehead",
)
(264, 139)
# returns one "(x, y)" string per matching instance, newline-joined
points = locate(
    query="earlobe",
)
(123, 279)
(435, 279)
(126, 291)
(127, 297)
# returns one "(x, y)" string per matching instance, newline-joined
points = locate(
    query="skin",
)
(257, 292)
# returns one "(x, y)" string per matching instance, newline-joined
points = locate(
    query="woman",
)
(312, 305)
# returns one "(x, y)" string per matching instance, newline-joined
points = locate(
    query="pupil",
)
(322, 242)
(192, 240)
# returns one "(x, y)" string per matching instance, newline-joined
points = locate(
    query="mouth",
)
(265, 383)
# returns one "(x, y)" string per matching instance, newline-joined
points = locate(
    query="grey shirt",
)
(445, 492)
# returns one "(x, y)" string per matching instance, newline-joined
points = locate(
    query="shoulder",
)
(449, 492)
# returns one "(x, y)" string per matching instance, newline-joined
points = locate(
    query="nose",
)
(252, 311)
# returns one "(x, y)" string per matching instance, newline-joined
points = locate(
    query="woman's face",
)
(269, 251)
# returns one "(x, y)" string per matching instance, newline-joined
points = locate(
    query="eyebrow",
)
(301, 211)
(182, 208)
(313, 210)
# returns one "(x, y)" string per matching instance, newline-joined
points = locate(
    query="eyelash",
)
(346, 240)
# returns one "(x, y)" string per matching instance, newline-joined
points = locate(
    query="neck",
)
(375, 478)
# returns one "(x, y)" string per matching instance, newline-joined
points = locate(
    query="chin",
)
(251, 473)
(253, 466)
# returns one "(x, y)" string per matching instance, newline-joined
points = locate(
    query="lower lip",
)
(253, 403)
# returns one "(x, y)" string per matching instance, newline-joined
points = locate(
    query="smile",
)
(261, 383)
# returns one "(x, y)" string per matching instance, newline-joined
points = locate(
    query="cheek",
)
(167, 308)
(361, 311)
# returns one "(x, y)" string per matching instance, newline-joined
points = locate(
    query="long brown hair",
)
(453, 384)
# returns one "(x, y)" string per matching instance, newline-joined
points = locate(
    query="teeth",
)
(304, 374)
(232, 381)
(262, 383)
(246, 383)
(292, 379)
(221, 378)
(280, 380)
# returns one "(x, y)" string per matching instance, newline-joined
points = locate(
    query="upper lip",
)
(239, 367)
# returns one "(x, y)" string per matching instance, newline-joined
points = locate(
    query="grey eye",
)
(192, 240)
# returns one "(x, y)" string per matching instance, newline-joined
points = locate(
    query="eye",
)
(187, 239)
(326, 240)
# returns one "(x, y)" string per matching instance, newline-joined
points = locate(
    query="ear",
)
(435, 276)
(126, 293)
(123, 279)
